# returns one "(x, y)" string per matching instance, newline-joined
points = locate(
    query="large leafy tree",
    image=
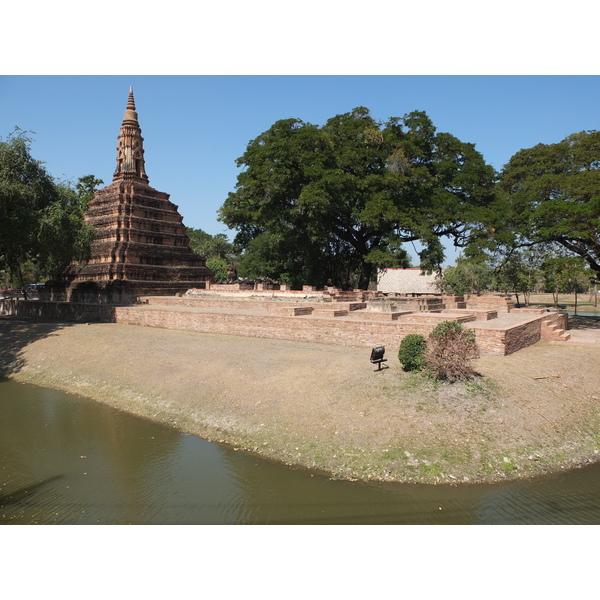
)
(551, 193)
(41, 221)
(334, 202)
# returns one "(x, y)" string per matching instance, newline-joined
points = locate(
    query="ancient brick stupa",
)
(141, 247)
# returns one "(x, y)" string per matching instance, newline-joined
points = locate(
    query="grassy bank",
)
(586, 303)
(324, 407)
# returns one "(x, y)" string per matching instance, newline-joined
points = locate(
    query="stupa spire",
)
(130, 100)
(130, 150)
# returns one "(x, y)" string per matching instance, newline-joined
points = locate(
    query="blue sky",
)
(194, 127)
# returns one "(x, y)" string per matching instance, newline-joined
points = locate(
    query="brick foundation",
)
(295, 323)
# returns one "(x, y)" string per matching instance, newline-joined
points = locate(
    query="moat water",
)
(68, 460)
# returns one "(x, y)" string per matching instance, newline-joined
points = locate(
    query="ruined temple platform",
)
(500, 328)
(319, 320)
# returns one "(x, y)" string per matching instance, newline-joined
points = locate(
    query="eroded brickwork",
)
(297, 322)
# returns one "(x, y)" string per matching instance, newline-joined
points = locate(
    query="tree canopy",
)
(469, 276)
(85, 188)
(41, 221)
(326, 205)
(210, 246)
(551, 193)
(217, 249)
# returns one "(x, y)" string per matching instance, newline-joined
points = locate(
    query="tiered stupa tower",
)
(141, 246)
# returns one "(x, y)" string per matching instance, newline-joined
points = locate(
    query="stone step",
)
(561, 335)
(554, 332)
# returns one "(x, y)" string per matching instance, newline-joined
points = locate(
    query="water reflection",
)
(570, 499)
(65, 459)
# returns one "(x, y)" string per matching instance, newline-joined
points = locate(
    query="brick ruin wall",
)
(354, 332)
(502, 304)
(58, 311)
(250, 303)
(324, 330)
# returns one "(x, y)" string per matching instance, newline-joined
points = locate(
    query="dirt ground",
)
(325, 407)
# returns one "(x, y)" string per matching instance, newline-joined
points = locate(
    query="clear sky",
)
(194, 127)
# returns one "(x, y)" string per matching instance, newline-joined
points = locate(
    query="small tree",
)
(450, 350)
(513, 275)
(412, 352)
(469, 276)
(566, 275)
(577, 277)
(594, 291)
(552, 277)
(219, 268)
(85, 188)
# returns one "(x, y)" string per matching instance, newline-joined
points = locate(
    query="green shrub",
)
(412, 352)
(452, 329)
(450, 350)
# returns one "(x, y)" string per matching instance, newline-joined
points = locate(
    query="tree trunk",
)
(365, 276)
(21, 280)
